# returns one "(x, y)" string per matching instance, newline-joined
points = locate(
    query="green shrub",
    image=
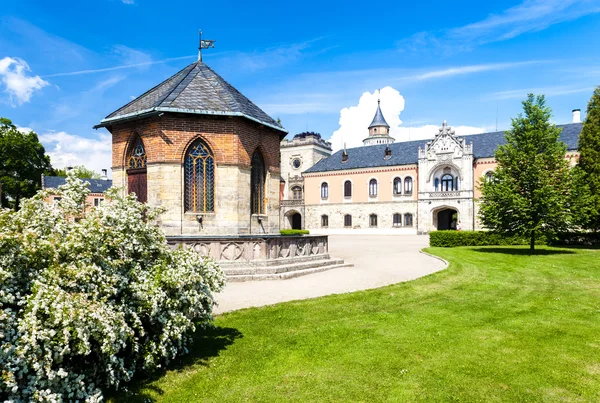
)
(449, 239)
(576, 239)
(91, 296)
(294, 232)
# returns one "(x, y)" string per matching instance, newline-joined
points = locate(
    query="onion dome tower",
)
(379, 130)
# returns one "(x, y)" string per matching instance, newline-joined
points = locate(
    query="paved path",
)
(378, 260)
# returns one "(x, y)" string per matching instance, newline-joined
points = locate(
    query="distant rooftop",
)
(196, 89)
(96, 185)
(405, 153)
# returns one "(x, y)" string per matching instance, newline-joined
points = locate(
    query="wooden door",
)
(137, 183)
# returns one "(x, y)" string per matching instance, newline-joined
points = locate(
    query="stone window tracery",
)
(137, 155)
(199, 177)
(257, 184)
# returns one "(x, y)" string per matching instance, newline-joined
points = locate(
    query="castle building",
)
(196, 146)
(412, 187)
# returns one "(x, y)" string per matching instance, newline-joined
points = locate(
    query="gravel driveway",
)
(378, 260)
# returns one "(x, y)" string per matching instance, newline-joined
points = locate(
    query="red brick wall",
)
(233, 140)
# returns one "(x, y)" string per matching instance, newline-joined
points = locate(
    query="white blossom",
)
(91, 295)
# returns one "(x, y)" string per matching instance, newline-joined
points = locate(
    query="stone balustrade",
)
(249, 250)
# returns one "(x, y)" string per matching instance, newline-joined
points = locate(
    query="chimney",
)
(104, 175)
(576, 115)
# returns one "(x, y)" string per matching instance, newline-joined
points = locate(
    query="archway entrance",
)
(296, 221)
(447, 219)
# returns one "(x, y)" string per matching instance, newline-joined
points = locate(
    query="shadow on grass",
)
(208, 343)
(524, 251)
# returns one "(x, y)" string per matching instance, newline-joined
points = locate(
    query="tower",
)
(379, 130)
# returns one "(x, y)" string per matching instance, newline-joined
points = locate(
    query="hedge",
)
(576, 239)
(294, 232)
(449, 239)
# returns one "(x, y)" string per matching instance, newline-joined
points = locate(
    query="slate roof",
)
(405, 153)
(96, 185)
(378, 120)
(196, 89)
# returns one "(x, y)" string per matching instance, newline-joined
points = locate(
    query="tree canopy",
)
(530, 190)
(23, 160)
(80, 172)
(589, 159)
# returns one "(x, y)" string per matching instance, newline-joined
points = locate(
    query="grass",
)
(498, 325)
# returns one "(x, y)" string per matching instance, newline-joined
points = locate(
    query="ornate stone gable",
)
(445, 146)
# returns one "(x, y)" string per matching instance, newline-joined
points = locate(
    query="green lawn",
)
(497, 325)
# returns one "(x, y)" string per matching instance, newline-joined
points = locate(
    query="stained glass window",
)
(137, 155)
(257, 184)
(199, 176)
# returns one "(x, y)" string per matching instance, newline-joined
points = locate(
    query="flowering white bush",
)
(89, 296)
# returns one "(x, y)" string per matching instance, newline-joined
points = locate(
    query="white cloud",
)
(18, 84)
(67, 149)
(529, 16)
(547, 91)
(477, 68)
(128, 1)
(355, 120)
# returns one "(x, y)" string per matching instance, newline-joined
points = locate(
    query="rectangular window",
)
(97, 201)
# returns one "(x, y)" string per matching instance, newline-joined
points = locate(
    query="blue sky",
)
(64, 65)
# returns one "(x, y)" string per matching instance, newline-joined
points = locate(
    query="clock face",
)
(296, 163)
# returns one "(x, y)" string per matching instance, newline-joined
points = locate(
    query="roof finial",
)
(204, 44)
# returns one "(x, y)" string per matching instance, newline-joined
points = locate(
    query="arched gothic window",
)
(347, 189)
(373, 220)
(257, 184)
(408, 185)
(324, 221)
(397, 220)
(324, 190)
(347, 220)
(137, 155)
(199, 177)
(373, 187)
(397, 186)
(137, 182)
(408, 220)
(447, 183)
(297, 193)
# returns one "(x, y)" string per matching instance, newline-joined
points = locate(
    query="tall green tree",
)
(530, 190)
(23, 160)
(589, 158)
(80, 172)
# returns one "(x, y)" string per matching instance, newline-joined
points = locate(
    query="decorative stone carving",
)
(284, 251)
(232, 251)
(314, 248)
(202, 248)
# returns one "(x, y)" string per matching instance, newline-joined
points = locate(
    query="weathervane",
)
(204, 44)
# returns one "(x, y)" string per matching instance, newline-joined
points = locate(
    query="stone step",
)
(282, 268)
(242, 264)
(286, 275)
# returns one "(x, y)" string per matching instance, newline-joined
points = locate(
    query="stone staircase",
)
(281, 269)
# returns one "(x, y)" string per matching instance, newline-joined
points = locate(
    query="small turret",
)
(379, 130)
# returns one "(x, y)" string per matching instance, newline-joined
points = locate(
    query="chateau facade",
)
(385, 187)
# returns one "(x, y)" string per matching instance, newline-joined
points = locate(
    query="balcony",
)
(442, 195)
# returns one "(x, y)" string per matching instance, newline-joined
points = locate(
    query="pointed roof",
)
(196, 89)
(378, 120)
